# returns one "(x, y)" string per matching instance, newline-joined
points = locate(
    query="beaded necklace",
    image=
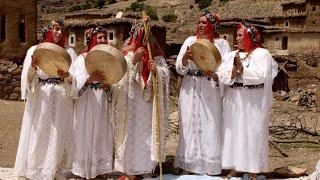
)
(247, 56)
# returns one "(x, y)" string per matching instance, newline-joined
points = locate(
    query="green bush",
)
(75, 8)
(111, 1)
(99, 3)
(151, 12)
(86, 6)
(203, 3)
(170, 17)
(137, 6)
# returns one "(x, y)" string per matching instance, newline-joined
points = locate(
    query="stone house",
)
(18, 23)
(298, 27)
(295, 28)
(118, 28)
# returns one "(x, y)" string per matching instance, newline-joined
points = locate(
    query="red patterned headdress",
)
(136, 40)
(213, 27)
(91, 36)
(251, 37)
(46, 34)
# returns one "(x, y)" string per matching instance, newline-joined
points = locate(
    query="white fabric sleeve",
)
(80, 74)
(224, 71)
(225, 49)
(26, 87)
(180, 68)
(70, 87)
(255, 71)
(272, 70)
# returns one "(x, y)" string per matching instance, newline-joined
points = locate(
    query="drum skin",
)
(51, 57)
(108, 60)
(205, 55)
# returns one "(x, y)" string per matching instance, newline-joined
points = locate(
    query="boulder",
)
(290, 171)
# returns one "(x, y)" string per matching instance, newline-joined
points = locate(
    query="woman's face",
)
(239, 38)
(57, 33)
(101, 38)
(202, 25)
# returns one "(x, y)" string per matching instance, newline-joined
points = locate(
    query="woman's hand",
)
(105, 86)
(211, 74)
(62, 73)
(238, 64)
(96, 77)
(187, 56)
(34, 62)
(138, 54)
(152, 66)
(234, 73)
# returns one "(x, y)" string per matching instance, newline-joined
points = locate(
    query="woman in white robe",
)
(249, 75)
(200, 105)
(46, 132)
(93, 151)
(136, 147)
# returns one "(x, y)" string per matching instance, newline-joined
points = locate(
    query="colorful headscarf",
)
(91, 36)
(46, 33)
(213, 28)
(251, 36)
(136, 40)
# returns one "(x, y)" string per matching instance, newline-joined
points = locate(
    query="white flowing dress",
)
(200, 111)
(135, 151)
(46, 132)
(245, 113)
(93, 152)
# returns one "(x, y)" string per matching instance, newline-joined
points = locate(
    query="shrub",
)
(75, 8)
(203, 3)
(86, 6)
(111, 1)
(170, 17)
(137, 6)
(151, 12)
(99, 3)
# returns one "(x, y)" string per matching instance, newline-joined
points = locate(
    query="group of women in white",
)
(76, 123)
(224, 114)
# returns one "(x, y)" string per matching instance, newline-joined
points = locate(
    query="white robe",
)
(135, 151)
(245, 113)
(93, 152)
(46, 130)
(200, 110)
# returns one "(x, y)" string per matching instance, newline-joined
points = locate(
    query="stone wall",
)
(10, 75)
(303, 69)
(297, 41)
(12, 49)
(12, 11)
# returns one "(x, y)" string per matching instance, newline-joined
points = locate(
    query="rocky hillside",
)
(184, 12)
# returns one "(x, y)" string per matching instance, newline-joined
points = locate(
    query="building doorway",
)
(285, 43)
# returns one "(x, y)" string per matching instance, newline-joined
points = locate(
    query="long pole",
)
(155, 95)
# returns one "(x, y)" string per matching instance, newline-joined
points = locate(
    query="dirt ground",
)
(11, 113)
(304, 155)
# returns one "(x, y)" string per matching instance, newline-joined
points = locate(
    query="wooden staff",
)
(155, 94)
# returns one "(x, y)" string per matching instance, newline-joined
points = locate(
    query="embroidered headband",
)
(93, 31)
(252, 31)
(49, 26)
(213, 19)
